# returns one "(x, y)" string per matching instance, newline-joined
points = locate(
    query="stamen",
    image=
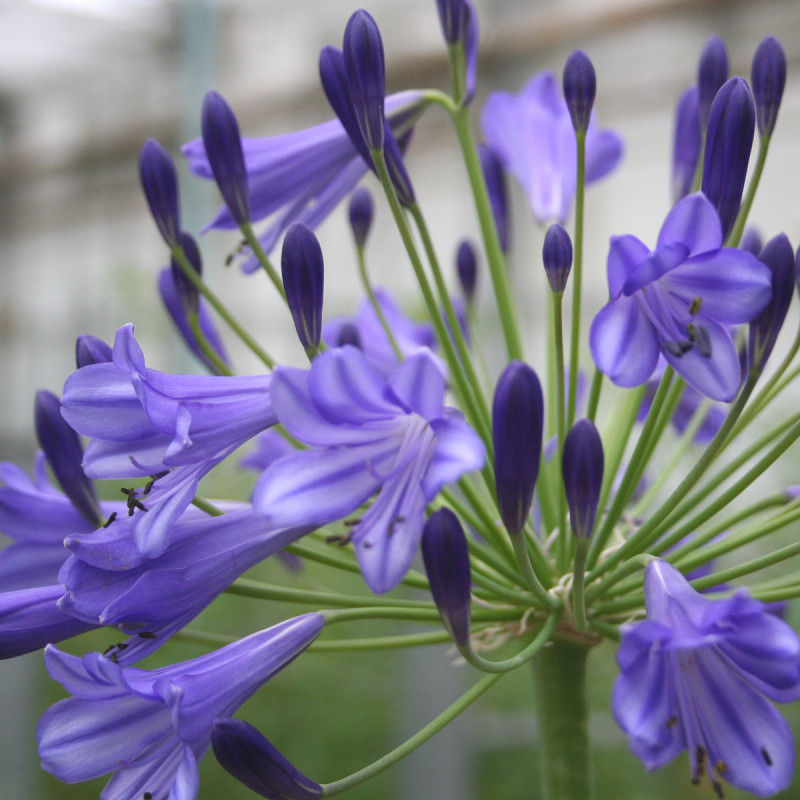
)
(718, 789)
(766, 756)
(703, 341)
(672, 722)
(721, 767)
(110, 519)
(695, 306)
(147, 635)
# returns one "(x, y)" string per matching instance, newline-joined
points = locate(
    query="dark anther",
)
(338, 539)
(700, 756)
(110, 519)
(351, 523)
(766, 756)
(153, 478)
(147, 796)
(703, 341)
(108, 649)
(132, 503)
(695, 306)
(672, 722)
(113, 657)
(718, 789)
(147, 635)
(720, 767)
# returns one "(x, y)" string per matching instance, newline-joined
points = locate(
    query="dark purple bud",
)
(768, 79)
(582, 468)
(497, 187)
(517, 418)
(333, 75)
(366, 76)
(223, 145)
(395, 166)
(557, 257)
(729, 139)
(452, 15)
(764, 329)
(580, 85)
(712, 72)
(160, 183)
(91, 350)
(362, 210)
(470, 53)
(751, 241)
(63, 451)
(446, 558)
(467, 268)
(254, 761)
(303, 273)
(687, 144)
(187, 293)
(348, 334)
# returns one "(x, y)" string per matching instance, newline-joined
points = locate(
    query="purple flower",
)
(467, 269)
(698, 675)
(408, 334)
(582, 466)
(152, 728)
(145, 423)
(361, 213)
(160, 184)
(557, 257)
(107, 582)
(712, 72)
(687, 143)
(768, 77)
(678, 301)
(303, 274)
(532, 135)
(91, 350)
(579, 83)
(302, 176)
(369, 435)
(497, 186)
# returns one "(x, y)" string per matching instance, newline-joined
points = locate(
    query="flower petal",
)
(694, 223)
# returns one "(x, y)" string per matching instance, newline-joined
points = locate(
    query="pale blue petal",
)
(625, 255)
(693, 222)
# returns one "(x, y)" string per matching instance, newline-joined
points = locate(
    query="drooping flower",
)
(532, 135)
(151, 729)
(677, 300)
(146, 423)
(698, 675)
(369, 434)
(302, 176)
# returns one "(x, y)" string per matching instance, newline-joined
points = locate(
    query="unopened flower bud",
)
(764, 329)
(496, 186)
(63, 451)
(582, 469)
(446, 558)
(729, 139)
(452, 15)
(223, 145)
(768, 79)
(557, 257)
(395, 166)
(362, 210)
(751, 241)
(303, 273)
(467, 268)
(348, 334)
(366, 73)
(687, 143)
(187, 293)
(254, 761)
(160, 184)
(580, 86)
(517, 419)
(91, 350)
(712, 72)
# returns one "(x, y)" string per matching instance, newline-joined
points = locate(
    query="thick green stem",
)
(559, 672)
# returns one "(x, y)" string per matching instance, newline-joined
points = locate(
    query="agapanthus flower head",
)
(768, 77)
(517, 423)
(252, 759)
(497, 186)
(160, 184)
(446, 558)
(369, 434)
(366, 72)
(698, 674)
(582, 469)
(303, 272)
(361, 213)
(687, 143)
(557, 257)
(467, 269)
(678, 300)
(579, 83)
(532, 135)
(778, 255)
(64, 454)
(223, 147)
(712, 72)
(729, 139)
(91, 350)
(152, 728)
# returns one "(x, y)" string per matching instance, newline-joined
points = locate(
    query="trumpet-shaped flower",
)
(696, 675)
(532, 135)
(678, 301)
(368, 434)
(151, 728)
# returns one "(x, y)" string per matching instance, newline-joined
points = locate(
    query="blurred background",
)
(84, 82)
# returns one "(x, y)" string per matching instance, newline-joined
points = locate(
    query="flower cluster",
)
(569, 510)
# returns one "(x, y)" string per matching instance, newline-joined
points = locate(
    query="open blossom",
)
(678, 300)
(532, 135)
(151, 728)
(368, 434)
(698, 675)
(146, 423)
